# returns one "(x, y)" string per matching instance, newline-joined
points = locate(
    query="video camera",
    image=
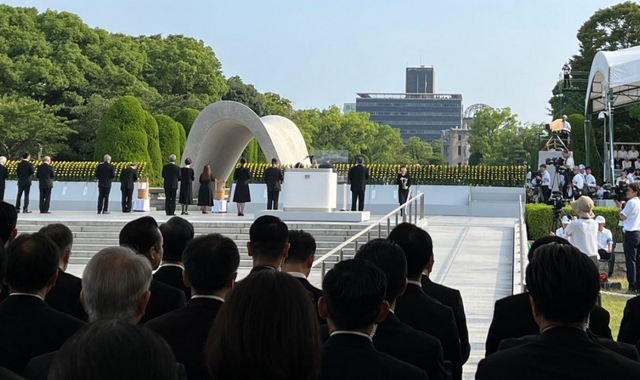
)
(558, 162)
(557, 201)
(618, 192)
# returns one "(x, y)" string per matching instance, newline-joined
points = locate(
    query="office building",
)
(348, 107)
(420, 80)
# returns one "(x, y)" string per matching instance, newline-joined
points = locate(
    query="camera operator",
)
(630, 215)
(568, 164)
(590, 182)
(544, 180)
(583, 232)
(577, 183)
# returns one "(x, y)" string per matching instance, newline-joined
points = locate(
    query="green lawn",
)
(615, 305)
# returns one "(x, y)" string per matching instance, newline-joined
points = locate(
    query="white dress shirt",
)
(578, 181)
(604, 238)
(631, 211)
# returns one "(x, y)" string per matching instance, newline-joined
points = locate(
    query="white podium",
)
(309, 190)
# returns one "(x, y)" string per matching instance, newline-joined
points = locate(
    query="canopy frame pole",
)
(610, 100)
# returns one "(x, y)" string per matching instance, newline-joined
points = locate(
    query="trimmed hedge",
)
(169, 137)
(539, 218)
(186, 117)
(153, 146)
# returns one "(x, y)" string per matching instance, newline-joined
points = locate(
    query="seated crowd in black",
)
(378, 316)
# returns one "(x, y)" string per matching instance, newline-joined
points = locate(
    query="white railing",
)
(520, 251)
(413, 210)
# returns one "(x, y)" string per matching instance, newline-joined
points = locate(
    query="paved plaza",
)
(473, 254)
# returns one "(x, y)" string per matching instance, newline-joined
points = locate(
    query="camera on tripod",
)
(618, 192)
(558, 162)
(557, 201)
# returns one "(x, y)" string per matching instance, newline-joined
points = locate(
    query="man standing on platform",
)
(171, 175)
(105, 173)
(45, 175)
(358, 176)
(273, 178)
(128, 177)
(4, 175)
(25, 172)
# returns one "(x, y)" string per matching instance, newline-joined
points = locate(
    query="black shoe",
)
(186, 213)
(106, 212)
(26, 212)
(45, 212)
(99, 212)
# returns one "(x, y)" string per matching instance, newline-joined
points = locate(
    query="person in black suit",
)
(273, 177)
(171, 175)
(392, 336)
(268, 244)
(45, 175)
(211, 266)
(25, 172)
(8, 221)
(65, 296)
(353, 301)
(415, 307)
(452, 298)
(266, 329)
(513, 318)
(128, 178)
(144, 237)
(115, 287)
(630, 325)
(563, 286)
(115, 349)
(186, 186)
(403, 180)
(105, 173)
(28, 326)
(176, 234)
(4, 176)
(242, 193)
(302, 249)
(358, 176)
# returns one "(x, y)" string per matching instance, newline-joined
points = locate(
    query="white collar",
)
(25, 294)
(344, 332)
(297, 275)
(415, 283)
(207, 296)
(171, 265)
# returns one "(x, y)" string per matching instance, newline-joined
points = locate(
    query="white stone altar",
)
(309, 190)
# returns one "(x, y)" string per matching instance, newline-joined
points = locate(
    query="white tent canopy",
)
(616, 70)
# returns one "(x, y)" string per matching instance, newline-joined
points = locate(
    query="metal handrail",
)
(413, 209)
(521, 245)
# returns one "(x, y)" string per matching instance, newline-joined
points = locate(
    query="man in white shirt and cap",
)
(605, 239)
(578, 183)
(583, 232)
(561, 232)
(590, 181)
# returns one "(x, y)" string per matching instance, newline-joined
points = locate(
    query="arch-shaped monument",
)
(223, 129)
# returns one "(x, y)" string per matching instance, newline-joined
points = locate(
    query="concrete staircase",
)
(90, 237)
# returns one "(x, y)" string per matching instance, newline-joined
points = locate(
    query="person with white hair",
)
(561, 232)
(4, 175)
(105, 173)
(171, 175)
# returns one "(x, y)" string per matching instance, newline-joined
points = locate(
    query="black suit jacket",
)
(128, 177)
(5, 374)
(164, 298)
(45, 175)
(513, 318)
(172, 276)
(452, 298)
(4, 176)
(624, 349)
(186, 331)
(105, 173)
(630, 325)
(273, 177)
(25, 172)
(559, 353)
(171, 174)
(426, 314)
(358, 176)
(349, 357)
(65, 295)
(29, 328)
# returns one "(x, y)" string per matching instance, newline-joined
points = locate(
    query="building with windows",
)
(420, 80)
(455, 141)
(416, 114)
(348, 107)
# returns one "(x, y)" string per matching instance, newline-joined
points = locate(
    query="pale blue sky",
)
(505, 53)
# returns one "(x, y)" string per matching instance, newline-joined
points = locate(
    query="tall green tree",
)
(386, 146)
(277, 105)
(246, 94)
(88, 118)
(28, 125)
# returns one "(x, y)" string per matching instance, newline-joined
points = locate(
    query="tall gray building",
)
(420, 80)
(421, 115)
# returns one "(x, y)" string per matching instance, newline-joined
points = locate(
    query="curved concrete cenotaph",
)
(223, 129)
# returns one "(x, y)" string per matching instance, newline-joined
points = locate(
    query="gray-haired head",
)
(3, 160)
(172, 158)
(107, 158)
(46, 159)
(113, 283)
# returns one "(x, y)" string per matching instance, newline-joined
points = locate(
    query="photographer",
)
(568, 165)
(630, 215)
(544, 180)
(578, 183)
